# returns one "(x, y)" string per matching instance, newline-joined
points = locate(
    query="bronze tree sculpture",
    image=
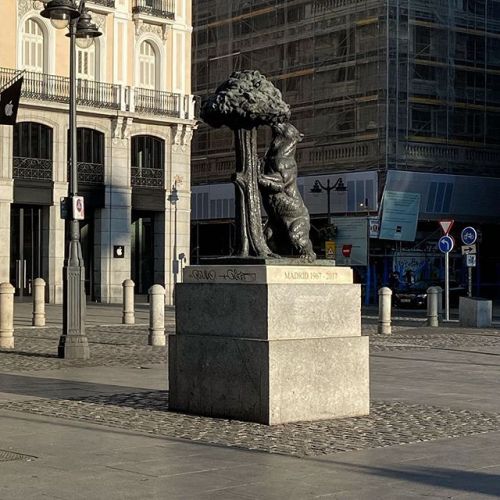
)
(244, 102)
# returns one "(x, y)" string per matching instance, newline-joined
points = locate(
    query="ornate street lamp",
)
(318, 187)
(73, 343)
(173, 198)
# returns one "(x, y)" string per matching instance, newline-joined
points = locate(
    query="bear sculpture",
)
(287, 228)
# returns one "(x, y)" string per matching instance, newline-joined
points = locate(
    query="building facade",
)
(398, 95)
(134, 129)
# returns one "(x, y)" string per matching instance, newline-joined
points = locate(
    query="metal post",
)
(469, 282)
(384, 310)
(329, 208)
(447, 286)
(38, 302)
(73, 343)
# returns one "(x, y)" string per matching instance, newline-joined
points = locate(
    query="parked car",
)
(415, 295)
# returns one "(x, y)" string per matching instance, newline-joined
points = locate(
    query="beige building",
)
(135, 123)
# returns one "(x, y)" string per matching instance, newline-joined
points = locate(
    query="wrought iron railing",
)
(31, 168)
(56, 89)
(147, 177)
(104, 3)
(90, 173)
(157, 102)
(156, 8)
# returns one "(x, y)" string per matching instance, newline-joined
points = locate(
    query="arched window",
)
(33, 47)
(86, 63)
(147, 66)
(148, 160)
(32, 151)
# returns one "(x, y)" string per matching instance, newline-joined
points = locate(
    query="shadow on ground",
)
(51, 388)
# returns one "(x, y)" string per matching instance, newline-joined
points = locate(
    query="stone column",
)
(54, 247)
(178, 218)
(128, 317)
(384, 310)
(38, 302)
(156, 335)
(6, 316)
(6, 198)
(112, 223)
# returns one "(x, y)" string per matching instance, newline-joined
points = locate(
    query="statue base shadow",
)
(269, 343)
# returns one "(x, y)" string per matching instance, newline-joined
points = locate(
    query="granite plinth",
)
(475, 312)
(269, 382)
(269, 344)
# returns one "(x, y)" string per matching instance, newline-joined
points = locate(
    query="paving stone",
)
(389, 424)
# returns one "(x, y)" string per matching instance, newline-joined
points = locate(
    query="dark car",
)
(415, 295)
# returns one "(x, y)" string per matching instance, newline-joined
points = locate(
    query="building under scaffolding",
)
(381, 89)
(406, 84)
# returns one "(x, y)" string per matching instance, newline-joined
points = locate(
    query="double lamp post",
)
(73, 343)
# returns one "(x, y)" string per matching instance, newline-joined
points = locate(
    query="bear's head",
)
(285, 139)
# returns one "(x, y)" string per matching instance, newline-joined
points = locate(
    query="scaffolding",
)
(373, 85)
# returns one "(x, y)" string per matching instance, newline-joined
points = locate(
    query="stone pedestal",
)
(475, 312)
(269, 344)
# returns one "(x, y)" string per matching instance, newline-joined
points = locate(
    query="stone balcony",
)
(102, 96)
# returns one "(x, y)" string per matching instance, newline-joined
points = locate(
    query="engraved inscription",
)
(203, 275)
(311, 275)
(236, 275)
(227, 275)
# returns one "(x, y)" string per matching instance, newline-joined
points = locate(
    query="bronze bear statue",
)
(287, 228)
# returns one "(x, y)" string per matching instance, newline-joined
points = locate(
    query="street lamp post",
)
(318, 187)
(174, 198)
(73, 343)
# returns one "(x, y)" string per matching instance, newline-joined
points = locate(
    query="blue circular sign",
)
(469, 236)
(446, 244)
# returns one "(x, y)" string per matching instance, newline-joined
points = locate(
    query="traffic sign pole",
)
(469, 237)
(447, 286)
(446, 244)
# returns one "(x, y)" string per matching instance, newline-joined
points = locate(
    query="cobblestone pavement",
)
(436, 338)
(10, 456)
(36, 348)
(121, 345)
(389, 423)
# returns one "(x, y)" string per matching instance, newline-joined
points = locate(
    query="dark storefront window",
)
(32, 151)
(148, 161)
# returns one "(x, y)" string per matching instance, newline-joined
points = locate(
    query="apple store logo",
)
(119, 251)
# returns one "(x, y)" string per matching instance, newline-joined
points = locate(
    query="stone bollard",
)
(384, 310)
(432, 306)
(6, 316)
(38, 302)
(156, 335)
(128, 317)
(440, 302)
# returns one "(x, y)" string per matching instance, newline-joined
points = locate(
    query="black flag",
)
(9, 102)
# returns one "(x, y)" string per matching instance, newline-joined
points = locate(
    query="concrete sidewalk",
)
(103, 429)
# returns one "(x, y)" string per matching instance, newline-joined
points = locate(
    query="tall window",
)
(147, 66)
(86, 63)
(148, 158)
(33, 46)
(32, 151)
(90, 155)
(32, 140)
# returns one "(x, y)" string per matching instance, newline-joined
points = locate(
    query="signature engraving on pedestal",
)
(237, 275)
(226, 275)
(203, 275)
